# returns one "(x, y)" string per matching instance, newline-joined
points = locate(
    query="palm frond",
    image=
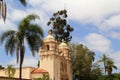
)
(35, 29)
(34, 42)
(10, 71)
(26, 22)
(6, 34)
(30, 17)
(115, 67)
(10, 45)
(23, 2)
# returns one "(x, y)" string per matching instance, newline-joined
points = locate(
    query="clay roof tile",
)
(39, 70)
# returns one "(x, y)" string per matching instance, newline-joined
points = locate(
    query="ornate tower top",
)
(63, 44)
(49, 32)
(49, 37)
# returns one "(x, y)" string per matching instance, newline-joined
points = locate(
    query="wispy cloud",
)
(115, 35)
(97, 42)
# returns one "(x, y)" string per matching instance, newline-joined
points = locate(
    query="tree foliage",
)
(82, 59)
(59, 26)
(1, 67)
(23, 2)
(45, 77)
(10, 71)
(109, 64)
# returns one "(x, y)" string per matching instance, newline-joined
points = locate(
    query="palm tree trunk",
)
(105, 68)
(20, 72)
(109, 71)
(22, 50)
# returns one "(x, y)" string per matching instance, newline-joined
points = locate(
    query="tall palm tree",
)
(110, 66)
(104, 58)
(10, 71)
(15, 40)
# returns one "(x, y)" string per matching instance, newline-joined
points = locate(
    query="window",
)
(47, 47)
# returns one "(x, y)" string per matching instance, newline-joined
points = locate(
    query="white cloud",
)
(115, 35)
(85, 11)
(97, 42)
(111, 23)
(114, 21)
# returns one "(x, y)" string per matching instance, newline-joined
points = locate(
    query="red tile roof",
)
(39, 70)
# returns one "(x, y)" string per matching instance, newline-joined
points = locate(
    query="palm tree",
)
(104, 59)
(15, 40)
(10, 71)
(1, 67)
(110, 67)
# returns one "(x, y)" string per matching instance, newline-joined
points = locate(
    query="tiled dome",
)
(63, 45)
(49, 37)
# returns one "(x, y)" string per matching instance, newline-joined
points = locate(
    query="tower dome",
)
(49, 37)
(63, 45)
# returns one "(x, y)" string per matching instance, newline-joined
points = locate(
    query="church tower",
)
(55, 59)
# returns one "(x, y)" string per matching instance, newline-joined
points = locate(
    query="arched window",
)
(47, 47)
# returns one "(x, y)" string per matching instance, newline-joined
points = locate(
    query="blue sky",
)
(96, 24)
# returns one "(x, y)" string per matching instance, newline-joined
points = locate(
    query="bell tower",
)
(66, 72)
(48, 54)
(55, 59)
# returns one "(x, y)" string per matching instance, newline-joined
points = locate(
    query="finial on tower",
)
(50, 32)
(63, 40)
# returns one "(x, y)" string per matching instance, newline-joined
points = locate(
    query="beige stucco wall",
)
(47, 63)
(69, 70)
(57, 68)
(26, 73)
(2, 73)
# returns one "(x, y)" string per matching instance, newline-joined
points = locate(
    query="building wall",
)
(2, 73)
(26, 73)
(47, 63)
(69, 70)
(57, 67)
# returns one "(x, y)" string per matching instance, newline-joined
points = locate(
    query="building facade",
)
(55, 61)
